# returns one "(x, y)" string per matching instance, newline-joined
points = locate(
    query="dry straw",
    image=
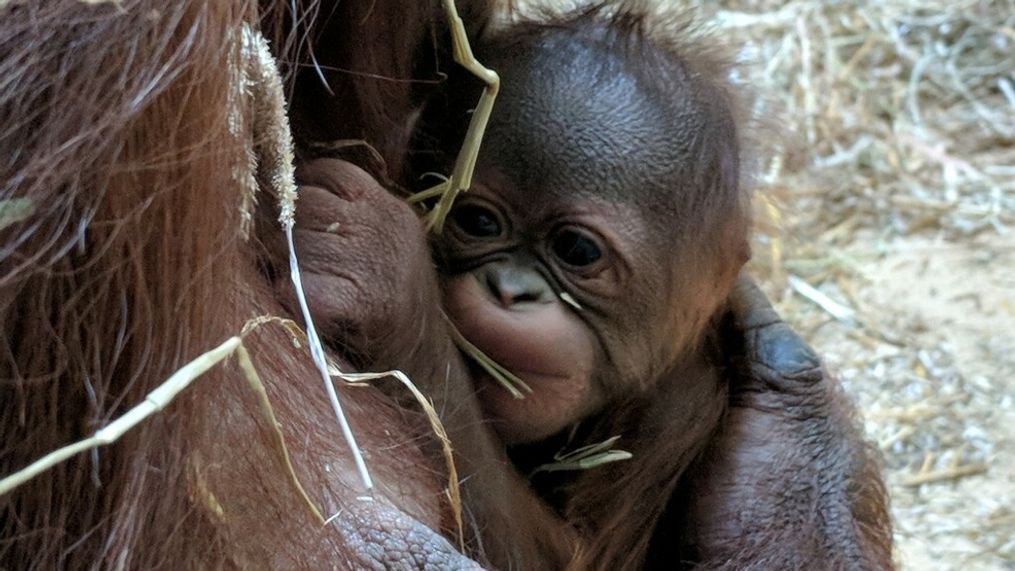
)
(160, 398)
(273, 157)
(896, 121)
(905, 109)
(460, 178)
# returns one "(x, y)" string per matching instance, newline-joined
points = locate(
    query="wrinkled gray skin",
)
(386, 538)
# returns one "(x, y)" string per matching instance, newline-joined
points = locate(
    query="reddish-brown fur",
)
(113, 123)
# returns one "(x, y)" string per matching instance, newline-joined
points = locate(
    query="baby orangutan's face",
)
(548, 293)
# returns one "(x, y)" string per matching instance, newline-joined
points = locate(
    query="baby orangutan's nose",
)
(510, 285)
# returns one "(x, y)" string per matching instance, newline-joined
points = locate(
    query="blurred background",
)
(886, 236)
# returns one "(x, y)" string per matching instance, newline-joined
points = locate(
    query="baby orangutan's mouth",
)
(537, 339)
(544, 345)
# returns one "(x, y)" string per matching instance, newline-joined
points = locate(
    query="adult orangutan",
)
(122, 258)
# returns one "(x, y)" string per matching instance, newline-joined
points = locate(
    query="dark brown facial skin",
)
(580, 194)
(554, 360)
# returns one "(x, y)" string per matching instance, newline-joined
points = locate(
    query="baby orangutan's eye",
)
(576, 249)
(477, 221)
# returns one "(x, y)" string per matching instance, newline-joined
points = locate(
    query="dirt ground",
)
(929, 356)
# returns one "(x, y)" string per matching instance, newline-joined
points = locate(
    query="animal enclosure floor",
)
(890, 187)
(929, 356)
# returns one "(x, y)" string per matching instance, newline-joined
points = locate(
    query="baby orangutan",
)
(594, 257)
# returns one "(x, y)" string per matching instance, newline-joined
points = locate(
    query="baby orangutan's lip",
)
(537, 343)
(543, 344)
(532, 379)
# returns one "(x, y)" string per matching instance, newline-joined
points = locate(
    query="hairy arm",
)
(789, 483)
